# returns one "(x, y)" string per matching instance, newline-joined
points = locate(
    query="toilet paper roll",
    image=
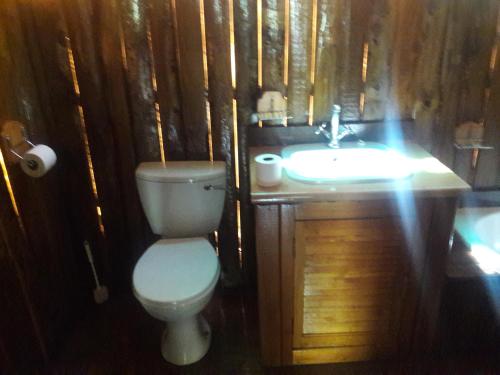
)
(268, 169)
(38, 160)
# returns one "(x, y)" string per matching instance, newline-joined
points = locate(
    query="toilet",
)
(175, 277)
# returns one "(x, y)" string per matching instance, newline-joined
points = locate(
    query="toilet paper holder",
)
(15, 141)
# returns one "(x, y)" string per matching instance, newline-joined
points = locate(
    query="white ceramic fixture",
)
(175, 277)
(487, 229)
(352, 162)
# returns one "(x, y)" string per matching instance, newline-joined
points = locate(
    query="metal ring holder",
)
(15, 141)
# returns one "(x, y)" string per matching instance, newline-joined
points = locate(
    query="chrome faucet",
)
(334, 135)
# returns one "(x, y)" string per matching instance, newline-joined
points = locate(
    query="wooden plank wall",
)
(44, 289)
(171, 80)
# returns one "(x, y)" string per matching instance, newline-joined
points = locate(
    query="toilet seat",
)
(175, 270)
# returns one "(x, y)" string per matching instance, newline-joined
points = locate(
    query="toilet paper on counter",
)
(38, 160)
(268, 169)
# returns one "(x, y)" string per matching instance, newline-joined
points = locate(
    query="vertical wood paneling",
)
(192, 78)
(221, 108)
(119, 112)
(45, 36)
(355, 18)
(407, 16)
(165, 59)
(34, 202)
(18, 320)
(139, 78)
(450, 81)
(49, 263)
(245, 21)
(427, 81)
(79, 19)
(488, 167)
(379, 41)
(299, 85)
(273, 38)
(7, 102)
(479, 41)
(427, 59)
(330, 57)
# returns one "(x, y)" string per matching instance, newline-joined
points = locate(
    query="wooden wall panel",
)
(273, 45)
(45, 35)
(22, 339)
(299, 78)
(331, 60)
(488, 167)
(99, 130)
(167, 77)
(110, 38)
(355, 18)
(20, 323)
(378, 70)
(47, 251)
(407, 22)
(221, 109)
(139, 73)
(192, 78)
(428, 70)
(427, 59)
(450, 81)
(477, 50)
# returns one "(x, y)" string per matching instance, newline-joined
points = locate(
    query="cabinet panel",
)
(344, 210)
(350, 279)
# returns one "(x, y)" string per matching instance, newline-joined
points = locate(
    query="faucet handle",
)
(321, 128)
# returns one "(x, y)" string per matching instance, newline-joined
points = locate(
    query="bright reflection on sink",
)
(352, 162)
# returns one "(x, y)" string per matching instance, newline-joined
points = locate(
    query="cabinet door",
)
(353, 289)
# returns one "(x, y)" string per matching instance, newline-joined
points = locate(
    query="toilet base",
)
(186, 341)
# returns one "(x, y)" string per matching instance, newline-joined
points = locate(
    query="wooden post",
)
(245, 94)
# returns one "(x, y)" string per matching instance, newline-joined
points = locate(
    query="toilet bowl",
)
(174, 280)
(175, 277)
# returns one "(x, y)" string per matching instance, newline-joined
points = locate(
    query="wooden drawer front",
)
(345, 210)
(349, 273)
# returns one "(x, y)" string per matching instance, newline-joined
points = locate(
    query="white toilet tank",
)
(182, 198)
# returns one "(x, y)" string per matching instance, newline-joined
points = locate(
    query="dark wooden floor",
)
(120, 338)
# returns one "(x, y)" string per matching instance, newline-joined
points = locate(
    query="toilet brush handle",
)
(86, 245)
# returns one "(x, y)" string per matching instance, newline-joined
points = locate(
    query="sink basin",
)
(352, 162)
(487, 230)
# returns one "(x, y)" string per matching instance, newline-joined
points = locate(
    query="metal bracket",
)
(473, 146)
(214, 187)
(15, 141)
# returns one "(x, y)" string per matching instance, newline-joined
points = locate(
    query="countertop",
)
(431, 178)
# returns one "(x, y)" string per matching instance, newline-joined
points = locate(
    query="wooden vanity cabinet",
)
(349, 280)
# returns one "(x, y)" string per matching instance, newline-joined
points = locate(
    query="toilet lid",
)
(175, 269)
(181, 171)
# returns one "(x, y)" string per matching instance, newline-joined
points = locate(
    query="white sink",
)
(487, 230)
(352, 162)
